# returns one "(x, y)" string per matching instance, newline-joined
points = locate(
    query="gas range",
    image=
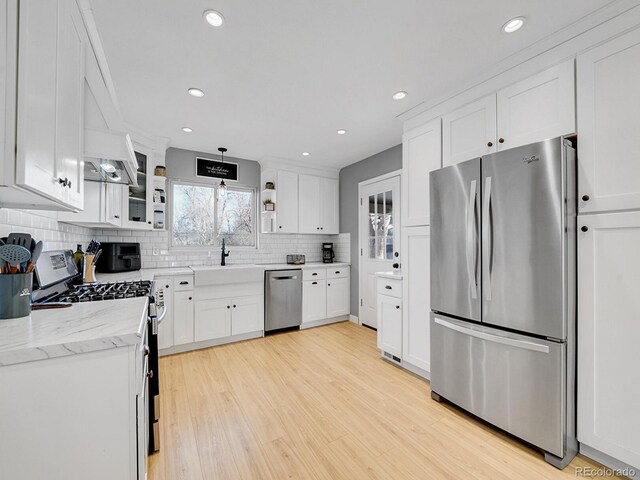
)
(95, 292)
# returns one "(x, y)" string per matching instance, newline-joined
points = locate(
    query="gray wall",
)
(378, 164)
(181, 164)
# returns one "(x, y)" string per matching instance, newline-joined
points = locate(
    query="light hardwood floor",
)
(321, 404)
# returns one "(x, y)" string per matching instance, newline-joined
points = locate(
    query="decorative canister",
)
(15, 295)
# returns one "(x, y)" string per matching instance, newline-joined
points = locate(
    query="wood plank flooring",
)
(321, 404)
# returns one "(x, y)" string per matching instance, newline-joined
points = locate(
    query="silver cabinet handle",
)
(487, 239)
(512, 342)
(471, 240)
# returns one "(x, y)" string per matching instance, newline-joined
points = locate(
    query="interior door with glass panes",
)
(379, 234)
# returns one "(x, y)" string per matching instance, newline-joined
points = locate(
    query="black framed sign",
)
(209, 168)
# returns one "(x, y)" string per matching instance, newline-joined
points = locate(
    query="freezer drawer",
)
(512, 381)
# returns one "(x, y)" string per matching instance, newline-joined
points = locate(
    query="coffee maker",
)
(327, 253)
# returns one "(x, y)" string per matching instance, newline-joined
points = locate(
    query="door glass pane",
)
(372, 204)
(372, 247)
(388, 202)
(380, 203)
(389, 248)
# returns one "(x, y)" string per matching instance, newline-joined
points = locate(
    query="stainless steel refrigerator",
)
(503, 294)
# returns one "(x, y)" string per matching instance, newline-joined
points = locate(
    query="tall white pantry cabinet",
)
(596, 95)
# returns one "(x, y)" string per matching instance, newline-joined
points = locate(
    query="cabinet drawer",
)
(182, 283)
(314, 273)
(337, 272)
(390, 286)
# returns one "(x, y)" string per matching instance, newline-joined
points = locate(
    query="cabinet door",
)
(421, 153)
(309, 220)
(330, 205)
(314, 300)
(182, 318)
(390, 325)
(114, 195)
(608, 125)
(212, 319)
(608, 333)
(35, 155)
(538, 108)
(70, 103)
(138, 200)
(165, 329)
(247, 314)
(287, 205)
(338, 297)
(469, 132)
(416, 295)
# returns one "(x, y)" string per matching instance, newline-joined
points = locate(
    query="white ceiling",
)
(281, 76)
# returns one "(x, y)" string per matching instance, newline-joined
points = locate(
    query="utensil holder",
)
(15, 295)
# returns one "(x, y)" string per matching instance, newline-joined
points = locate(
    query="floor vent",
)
(391, 357)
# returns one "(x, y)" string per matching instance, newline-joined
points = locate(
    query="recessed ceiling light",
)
(399, 95)
(187, 129)
(305, 154)
(213, 18)
(513, 25)
(196, 92)
(342, 131)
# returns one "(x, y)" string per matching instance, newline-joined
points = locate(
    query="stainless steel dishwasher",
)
(282, 299)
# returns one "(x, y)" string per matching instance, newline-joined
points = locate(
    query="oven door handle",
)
(162, 315)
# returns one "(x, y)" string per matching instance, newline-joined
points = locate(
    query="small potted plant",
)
(269, 206)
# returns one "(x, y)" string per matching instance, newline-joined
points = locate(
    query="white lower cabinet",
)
(314, 300)
(390, 326)
(608, 333)
(247, 314)
(416, 297)
(325, 294)
(165, 328)
(338, 297)
(183, 317)
(212, 319)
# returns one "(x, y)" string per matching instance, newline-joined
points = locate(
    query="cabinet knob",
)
(489, 144)
(585, 198)
(321, 228)
(62, 181)
(328, 284)
(228, 306)
(388, 287)
(150, 374)
(280, 226)
(584, 228)
(234, 306)
(145, 351)
(166, 286)
(68, 182)
(149, 222)
(398, 306)
(190, 298)
(116, 216)
(396, 265)
(501, 140)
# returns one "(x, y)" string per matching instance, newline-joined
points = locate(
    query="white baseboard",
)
(324, 321)
(354, 319)
(608, 461)
(187, 347)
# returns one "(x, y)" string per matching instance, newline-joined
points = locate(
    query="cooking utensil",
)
(22, 239)
(35, 254)
(14, 255)
(95, 259)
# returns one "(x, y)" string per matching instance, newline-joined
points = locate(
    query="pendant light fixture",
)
(222, 188)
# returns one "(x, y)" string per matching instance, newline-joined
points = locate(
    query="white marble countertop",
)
(144, 274)
(287, 266)
(394, 274)
(81, 328)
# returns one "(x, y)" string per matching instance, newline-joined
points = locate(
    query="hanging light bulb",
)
(222, 188)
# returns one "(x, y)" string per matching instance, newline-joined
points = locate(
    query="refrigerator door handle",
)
(536, 347)
(471, 240)
(487, 239)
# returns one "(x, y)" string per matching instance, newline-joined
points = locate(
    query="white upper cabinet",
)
(319, 205)
(421, 153)
(536, 108)
(329, 205)
(608, 125)
(287, 204)
(103, 206)
(310, 200)
(469, 132)
(608, 333)
(51, 61)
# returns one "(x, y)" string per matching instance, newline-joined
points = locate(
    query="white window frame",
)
(205, 248)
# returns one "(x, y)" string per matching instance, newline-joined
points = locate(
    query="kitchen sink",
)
(217, 275)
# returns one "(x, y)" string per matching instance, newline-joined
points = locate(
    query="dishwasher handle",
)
(293, 277)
